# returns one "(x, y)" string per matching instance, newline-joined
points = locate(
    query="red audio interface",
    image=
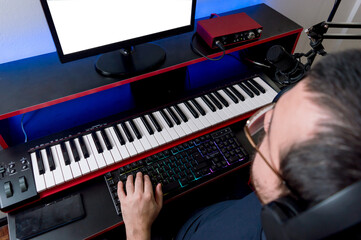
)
(230, 29)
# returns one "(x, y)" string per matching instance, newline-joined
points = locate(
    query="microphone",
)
(289, 70)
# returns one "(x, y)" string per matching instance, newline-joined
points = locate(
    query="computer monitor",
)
(120, 30)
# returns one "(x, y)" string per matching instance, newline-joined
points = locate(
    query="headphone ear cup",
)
(275, 214)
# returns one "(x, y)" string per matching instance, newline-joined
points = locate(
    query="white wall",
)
(24, 31)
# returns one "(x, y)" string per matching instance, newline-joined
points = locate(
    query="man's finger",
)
(139, 186)
(130, 184)
(159, 195)
(147, 184)
(121, 193)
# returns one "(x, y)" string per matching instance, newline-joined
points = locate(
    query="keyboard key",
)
(165, 118)
(106, 140)
(249, 92)
(83, 147)
(155, 122)
(173, 116)
(65, 154)
(253, 89)
(259, 87)
(135, 129)
(74, 151)
(39, 160)
(191, 109)
(237, 93)
(127, 132)
(208, 103)
(199, 108)
(50, 159)
(96, 142)
(147, 125)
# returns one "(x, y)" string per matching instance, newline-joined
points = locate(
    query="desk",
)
(40, 82)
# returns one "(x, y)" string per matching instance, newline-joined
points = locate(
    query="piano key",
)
(221, 99)
(225, 111)
(40, 164)
(74, 166)
(58, 173)
(135, 129)
(173, 116)
(214, 101)
(64, 153)
(180, 113)
(231, 109)
(237, 93)
(50, 159)
(250, 86)
(98, 156)
(108, 158)
(39, 178)
(147, 125)
(270, 92)
(121, 147)
(202, 117)
(165, 118)
(173, 135)
(176, 127)
(191, 109)
(93, 165)
(74, 151)
(194, 124)
(161, 136)
(245, 89)
(199, 108)
(129, 145)
(117, 156)
(212, 117)
(97, 145)
(137, 144)
(119, 135)
(155, 122)
(151, 141)
(106, 140)
(208, 103)
(83, 147)
(127, 132)
(68, 175)
(83, 163)
(48, 175)
(230, 95)
(144, 140)
(259, 87)
(249, 101)
(182, 124)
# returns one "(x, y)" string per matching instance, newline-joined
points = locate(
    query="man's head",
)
(313, 134)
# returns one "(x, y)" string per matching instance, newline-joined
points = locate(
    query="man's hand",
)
(139, 205)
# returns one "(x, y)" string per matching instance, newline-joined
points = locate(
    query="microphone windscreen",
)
(280, 58)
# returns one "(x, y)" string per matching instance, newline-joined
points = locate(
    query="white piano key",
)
(106, 153)
(176, 127)
(204, 119)
(212, 117)
(67, 173)
(48, 175)
(163, 136)
(114, 151)
(225, 110)
(150, 138)
(122, 149)
(98, 156)
(75, 169)
(172, 132)
(58, 174)
(252, 104)
(144, 140)
(270, 92)
(193, 123)
(129, 145)
(137, 144)
(39, 179)
(93, 165)
(183, 124)
(83, 163)
(232, 105)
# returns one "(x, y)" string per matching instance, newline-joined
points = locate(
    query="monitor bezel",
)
(113, 46)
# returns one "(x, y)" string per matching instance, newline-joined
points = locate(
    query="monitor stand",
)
(130, 61)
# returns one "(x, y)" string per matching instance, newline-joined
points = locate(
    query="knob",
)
(251, 35)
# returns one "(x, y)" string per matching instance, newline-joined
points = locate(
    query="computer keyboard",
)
(185, 166)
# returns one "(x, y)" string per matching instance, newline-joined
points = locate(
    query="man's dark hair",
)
(331, 160)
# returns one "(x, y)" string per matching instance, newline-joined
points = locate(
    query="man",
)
(311, 149)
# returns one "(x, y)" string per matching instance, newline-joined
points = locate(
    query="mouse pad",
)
(49, 216)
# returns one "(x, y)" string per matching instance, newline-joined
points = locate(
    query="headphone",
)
(284, 219)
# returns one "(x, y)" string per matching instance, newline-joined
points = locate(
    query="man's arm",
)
(139, 205)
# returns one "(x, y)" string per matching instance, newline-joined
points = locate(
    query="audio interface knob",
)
(251, 35)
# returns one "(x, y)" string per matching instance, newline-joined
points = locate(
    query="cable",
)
(22, 127)
(218, 43)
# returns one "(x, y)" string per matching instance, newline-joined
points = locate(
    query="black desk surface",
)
(41, 81)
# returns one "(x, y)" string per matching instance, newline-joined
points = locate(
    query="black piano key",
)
(244, 88)
(230, 95)
(208, 103)
(181, 113)
(191, 109)
(39, 159)
(108, 145)
(147, 125)
(127, 133)
(155, 122)
(253, 89)
(135, 129)
(166, 119)
(215, 101)
(74, 150)
(65, 153)
(119, 135)
(237, 93)
(97, 142)
(259, 87)
(221, 99)
(50, 159)
(83, 147)
(173, 116)
(199, 107)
